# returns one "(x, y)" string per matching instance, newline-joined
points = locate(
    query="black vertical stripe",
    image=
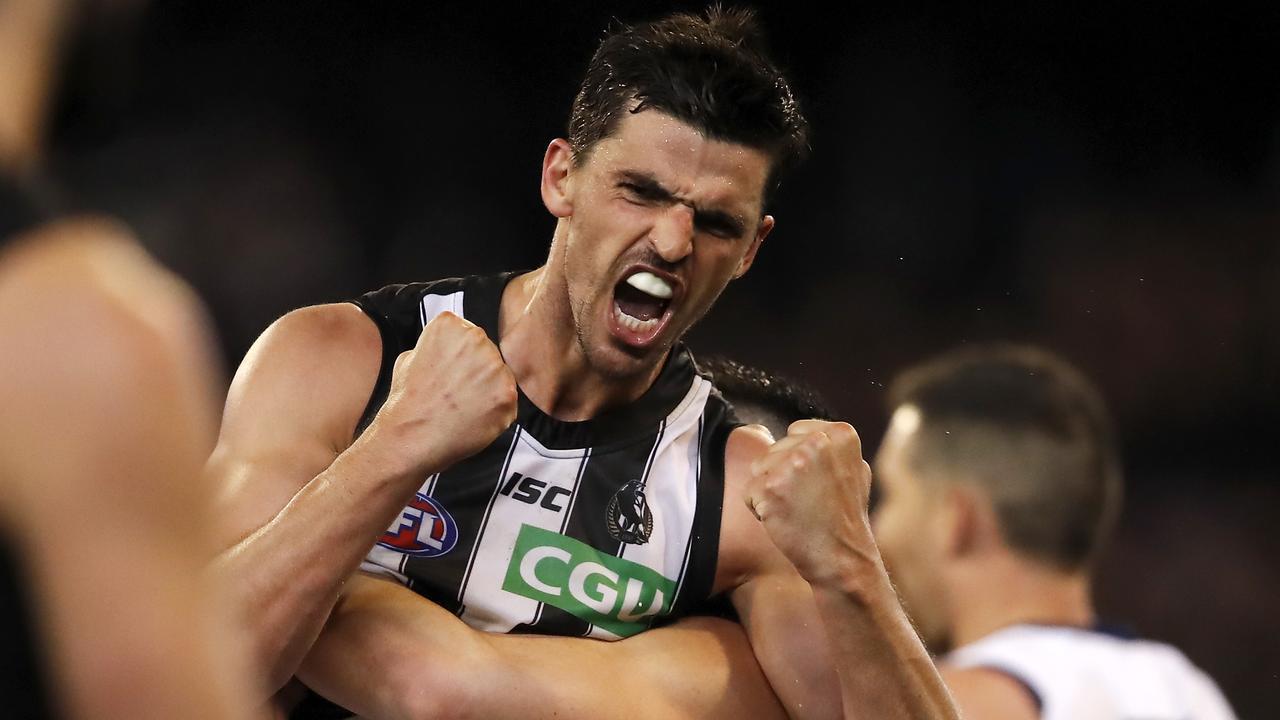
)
(484, 523)
(465, 491)
(700, 573)
(604, 474)
(532, 627)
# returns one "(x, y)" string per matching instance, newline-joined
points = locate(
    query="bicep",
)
(291, 409)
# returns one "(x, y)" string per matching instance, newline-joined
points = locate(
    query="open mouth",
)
(642, 303)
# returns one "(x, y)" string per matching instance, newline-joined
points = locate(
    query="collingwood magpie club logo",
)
(628, 516)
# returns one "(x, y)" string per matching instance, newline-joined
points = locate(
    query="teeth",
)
(635, 324)
(647, 282)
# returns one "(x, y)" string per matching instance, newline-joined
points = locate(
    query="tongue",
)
(637, 304)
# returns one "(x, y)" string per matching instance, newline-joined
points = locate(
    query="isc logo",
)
(529, 490)
(612, 593)
(424, 528)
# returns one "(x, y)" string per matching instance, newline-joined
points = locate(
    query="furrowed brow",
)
(647, 184)
(706, 219)
(718, 221)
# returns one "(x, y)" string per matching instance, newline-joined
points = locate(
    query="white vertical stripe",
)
(433, 305)
(488, 606)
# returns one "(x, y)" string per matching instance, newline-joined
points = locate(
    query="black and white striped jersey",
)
(597, 528)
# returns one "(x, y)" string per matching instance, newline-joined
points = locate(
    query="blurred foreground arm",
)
(108, 413)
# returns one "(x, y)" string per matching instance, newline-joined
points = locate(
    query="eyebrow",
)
(703, 218)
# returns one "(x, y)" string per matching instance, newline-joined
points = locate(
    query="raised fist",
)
(810, 491)
(451, 395)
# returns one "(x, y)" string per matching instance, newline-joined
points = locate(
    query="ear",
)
(557, 165)
(964, 520)
(762, 232)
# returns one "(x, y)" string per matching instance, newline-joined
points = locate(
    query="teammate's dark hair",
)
(712, 72)
(763, 398)
(1033, 432)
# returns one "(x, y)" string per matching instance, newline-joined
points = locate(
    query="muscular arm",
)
(292, 515)
(301, 502)
(775, 604)
(810, 492)
(389, 654)
(108, 413)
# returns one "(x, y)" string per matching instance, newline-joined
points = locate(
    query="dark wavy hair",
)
(762, 397)
(711, 71)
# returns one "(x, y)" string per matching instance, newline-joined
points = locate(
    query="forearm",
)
(286, 575)
(388, 654)
(884, 669)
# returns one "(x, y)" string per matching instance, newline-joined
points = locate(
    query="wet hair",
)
(762, 398)
(1030, 430)
(711, 71)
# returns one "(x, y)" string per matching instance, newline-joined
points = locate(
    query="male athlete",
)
(380, 434)
(1000, 480)
(107, 397)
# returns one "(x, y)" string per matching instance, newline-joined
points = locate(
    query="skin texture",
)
(291, 477)
(658, 194)
(957, 576)
(109, 409)
(108, 398)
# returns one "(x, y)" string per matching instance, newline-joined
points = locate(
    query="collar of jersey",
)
(481, 304)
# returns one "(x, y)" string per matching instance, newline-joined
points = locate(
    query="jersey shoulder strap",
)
(401, 311)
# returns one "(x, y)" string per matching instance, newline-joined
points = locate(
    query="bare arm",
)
(301, 502)
(989, 695)
(108, 412)
(389, 654)
(776, 605)
(810, 492)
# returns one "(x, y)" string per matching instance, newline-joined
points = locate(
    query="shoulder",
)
(984, 692)
(82, 304)
(101, 344)
(745, 549)
(746, 443)
(315, 366)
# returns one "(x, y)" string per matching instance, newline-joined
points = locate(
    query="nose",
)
(672, 233)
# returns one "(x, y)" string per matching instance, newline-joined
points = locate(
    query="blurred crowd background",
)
(1102, 179)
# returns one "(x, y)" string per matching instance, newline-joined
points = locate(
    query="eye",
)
(638, 193)
(723, 228)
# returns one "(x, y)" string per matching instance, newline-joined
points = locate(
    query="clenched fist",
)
(810, 491)
(451, 395)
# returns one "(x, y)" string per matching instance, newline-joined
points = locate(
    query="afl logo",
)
(628, 516)
(424, 528)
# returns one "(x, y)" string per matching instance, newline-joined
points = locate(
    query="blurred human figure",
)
(1000, 482)
(108, 397)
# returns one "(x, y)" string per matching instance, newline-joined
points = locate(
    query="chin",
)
(621, 363)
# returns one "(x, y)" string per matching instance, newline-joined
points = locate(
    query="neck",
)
(540, 345)
(1010, 590)
(28, 31)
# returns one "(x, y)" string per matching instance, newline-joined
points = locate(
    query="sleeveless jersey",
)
(1076, 673)
(598, 528)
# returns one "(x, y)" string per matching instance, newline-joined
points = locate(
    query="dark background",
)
(1100, 179)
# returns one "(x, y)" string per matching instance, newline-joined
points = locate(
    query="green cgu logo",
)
(617, 595)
